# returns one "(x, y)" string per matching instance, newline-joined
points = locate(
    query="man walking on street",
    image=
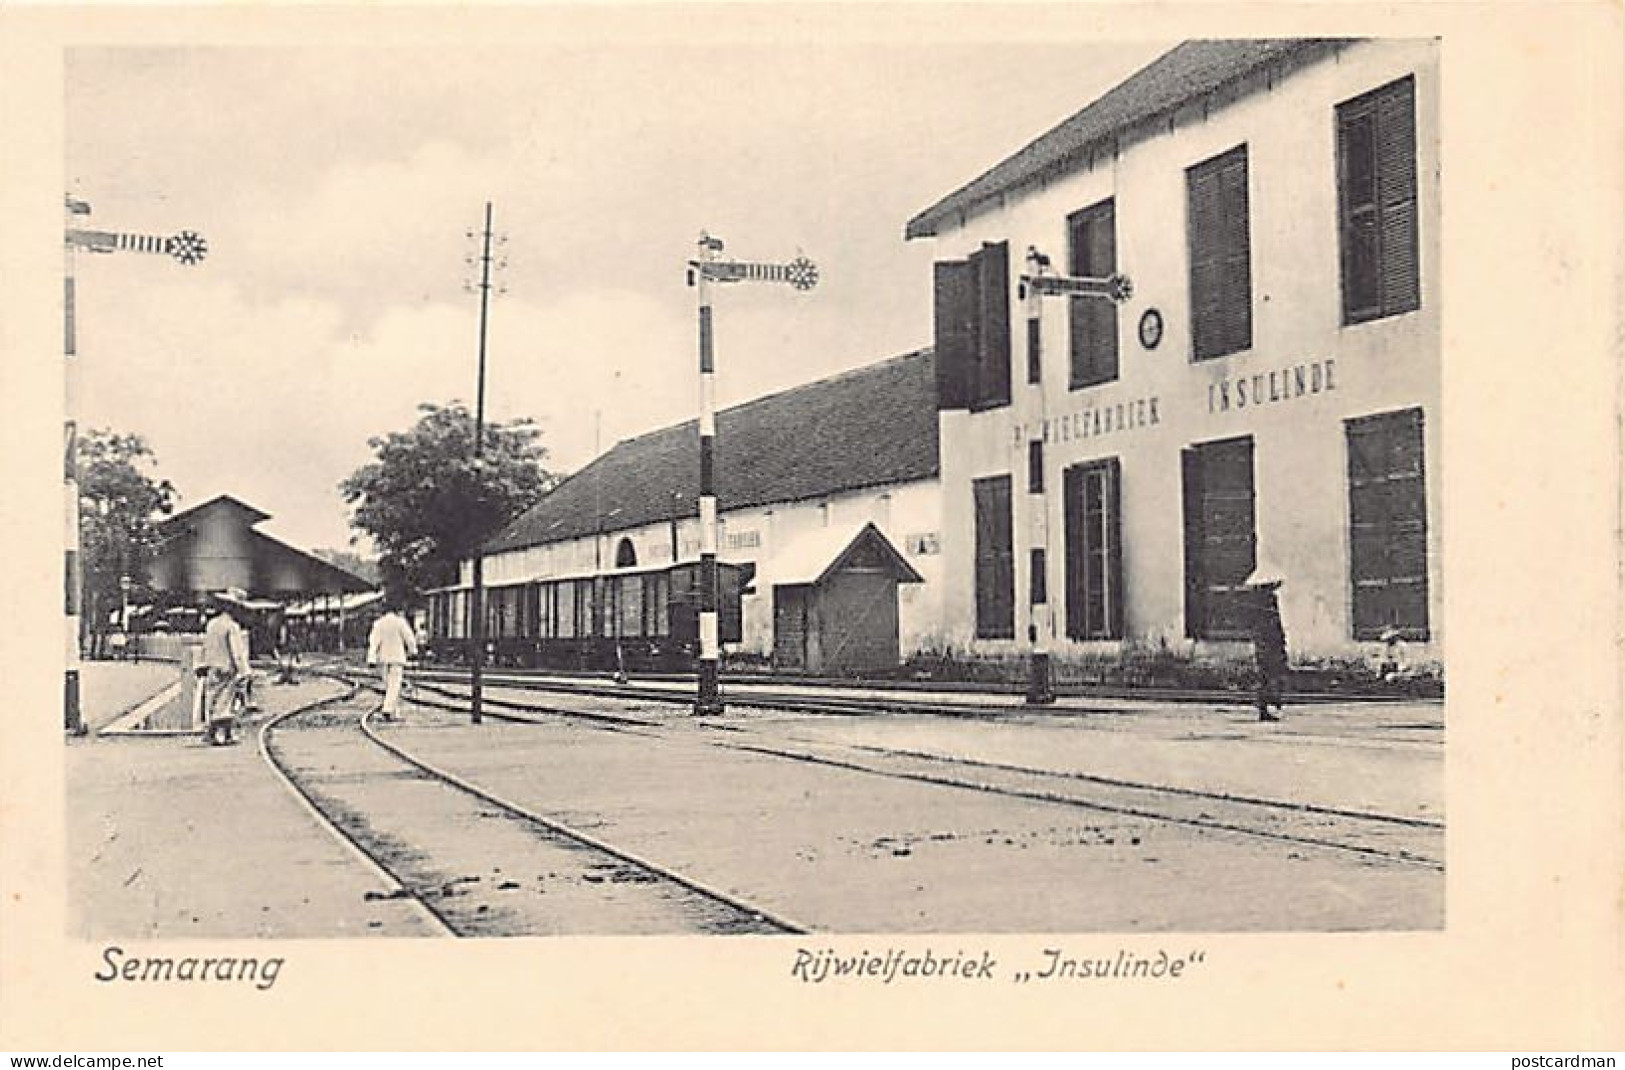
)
(225, 656)
(1269, 641)
(389, 646)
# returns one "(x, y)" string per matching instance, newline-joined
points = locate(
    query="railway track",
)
(1414, 736)
(1373, 836)
(478, 864)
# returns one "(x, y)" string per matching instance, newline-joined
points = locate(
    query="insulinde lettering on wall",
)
(1092, 421)
(1267, 388)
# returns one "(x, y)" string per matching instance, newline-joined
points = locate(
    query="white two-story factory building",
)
(1268, 396)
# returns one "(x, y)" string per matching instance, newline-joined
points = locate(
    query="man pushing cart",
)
(225, 661)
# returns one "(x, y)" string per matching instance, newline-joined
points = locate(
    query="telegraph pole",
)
(477, 595)
(802, 274)
(1038, 283)
(187, 247)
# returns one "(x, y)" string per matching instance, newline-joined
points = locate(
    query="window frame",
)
(1385, 531)
(1202, 594)
(994, 577)
(1393, 223)
(1080, 621)
(1224, 269)
(1093, 371)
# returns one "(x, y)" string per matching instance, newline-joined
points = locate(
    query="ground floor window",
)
(1388, 566)
(1220, 537)
(1094, 555)
(995, 559)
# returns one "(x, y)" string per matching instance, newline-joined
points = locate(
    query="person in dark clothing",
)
(1269, 642)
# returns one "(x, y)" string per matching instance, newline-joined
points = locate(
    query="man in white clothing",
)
(225, 657)
(389, 646)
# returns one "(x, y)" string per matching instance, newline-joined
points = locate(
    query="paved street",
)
(1156, 818)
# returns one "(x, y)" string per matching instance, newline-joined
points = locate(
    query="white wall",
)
(909, 514)
(1300, 452)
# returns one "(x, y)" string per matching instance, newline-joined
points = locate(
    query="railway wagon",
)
(633, 619)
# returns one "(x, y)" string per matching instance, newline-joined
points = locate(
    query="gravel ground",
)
(171, 838)
(488, 872)
(841, 850)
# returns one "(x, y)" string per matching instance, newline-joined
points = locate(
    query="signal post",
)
(703, 271)
(1038, 283)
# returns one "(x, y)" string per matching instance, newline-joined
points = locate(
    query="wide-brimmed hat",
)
(231, 594)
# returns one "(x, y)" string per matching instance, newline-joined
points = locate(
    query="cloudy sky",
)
(335, 186)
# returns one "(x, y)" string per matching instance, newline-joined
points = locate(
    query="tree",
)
(120, 503)
(425, 505)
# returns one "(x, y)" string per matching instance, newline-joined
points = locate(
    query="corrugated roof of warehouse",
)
(1150, 95)
(872, 426)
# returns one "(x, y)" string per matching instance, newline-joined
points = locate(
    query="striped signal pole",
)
(703, 271)
(188, 248)
(1040, 621)
(1040, 282)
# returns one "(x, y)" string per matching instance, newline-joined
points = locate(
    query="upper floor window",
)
(973, 329)
(1376, 202)
(1092, 251)
(1220, 255)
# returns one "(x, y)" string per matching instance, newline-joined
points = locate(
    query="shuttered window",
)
(1221, 280)
(1220, 540)
(1092, 252)
(953, 333)
(972, 330)
(1376, 202)
(995, 560)
(1094, 551)
(1388, 563)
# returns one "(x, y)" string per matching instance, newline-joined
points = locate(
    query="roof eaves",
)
(1052, 159)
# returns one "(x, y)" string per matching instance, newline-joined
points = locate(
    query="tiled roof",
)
(1179, 76)
(869, 427)
(220, 502)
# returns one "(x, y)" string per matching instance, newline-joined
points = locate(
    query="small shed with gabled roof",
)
(835, 601)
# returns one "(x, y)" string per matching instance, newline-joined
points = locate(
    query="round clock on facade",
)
(1150, 328)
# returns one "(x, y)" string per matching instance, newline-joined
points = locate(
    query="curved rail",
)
(698, 887)
(395, 887)
(558, 828)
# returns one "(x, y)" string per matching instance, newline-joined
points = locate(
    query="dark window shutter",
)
(1377, 208)
(1190, 463)
(992, 267)
(1220, 255)
(1388, 524)
(1357, 211)
(1093, 252)
(1072, 518)
(955, 338)
(1220, 540)
(1035, 350)
(1396, 188)
(1114, 548)
(995, 563)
